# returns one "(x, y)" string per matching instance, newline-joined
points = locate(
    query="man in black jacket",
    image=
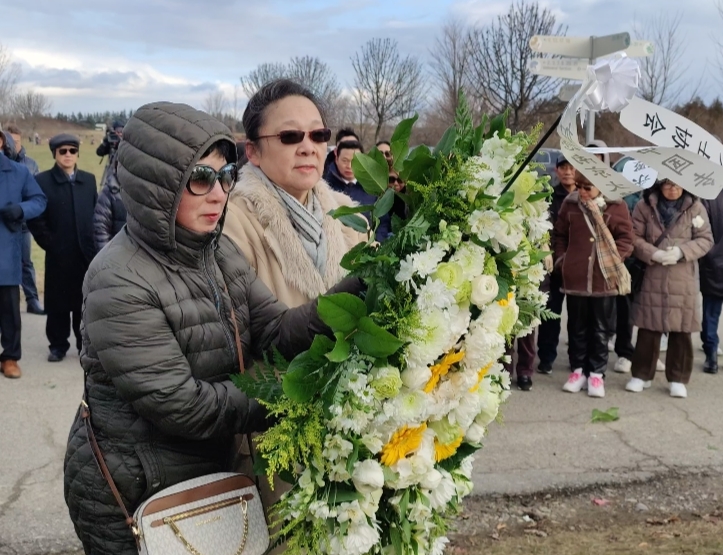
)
(65, 233)
(711, 285)
(549, 334)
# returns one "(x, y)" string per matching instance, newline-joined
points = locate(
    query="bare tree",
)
(499, 53)
(30, 104)
(215, 104)
(316, 76)
(449, 66)
(662, 72)
(262, 75)
(390, 86)
(9, 74)
(719, 43)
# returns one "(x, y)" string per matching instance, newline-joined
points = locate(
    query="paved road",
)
(545, 441)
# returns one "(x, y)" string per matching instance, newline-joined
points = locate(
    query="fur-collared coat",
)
(258, 223)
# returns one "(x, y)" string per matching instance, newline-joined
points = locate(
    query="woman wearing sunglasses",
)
(159, 338)
(672, 232)
(279, 211)
(592, 237)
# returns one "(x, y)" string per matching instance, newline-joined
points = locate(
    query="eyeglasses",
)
(64, 151)
(294, 136)
(394, 180)
(203, 179)
(586, 187)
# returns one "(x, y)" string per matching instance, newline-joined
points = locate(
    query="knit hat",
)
(63, 139)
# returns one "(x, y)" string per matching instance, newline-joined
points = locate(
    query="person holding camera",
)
(111, 140)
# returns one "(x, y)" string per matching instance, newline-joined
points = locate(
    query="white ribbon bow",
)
(611, 84)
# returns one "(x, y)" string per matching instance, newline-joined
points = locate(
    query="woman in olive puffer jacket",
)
(158, 340)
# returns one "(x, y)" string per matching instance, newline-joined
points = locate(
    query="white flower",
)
(471, 258)
(419, 512)
(351, 512)
(368, 476)
(484, 290)
(486, 225)
(373, 442)
(600, 201)
(410, 406)
(538, 227)
(385, 382)
(406, 270)
(466, 467)
(426, 262)
(482, 347)
(439, 545)
(431, 480)
(698, 222)
(320, 510)
(360, 538)
(489, 406)
(336, 448)
(475, 434)
(443, 493)
(536, 273)
(416, 377)
(434, 294)
(499, 154)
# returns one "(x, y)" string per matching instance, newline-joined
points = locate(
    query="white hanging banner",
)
(640, 174)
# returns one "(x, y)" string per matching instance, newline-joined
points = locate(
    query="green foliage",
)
(610, 415)
(371, 171)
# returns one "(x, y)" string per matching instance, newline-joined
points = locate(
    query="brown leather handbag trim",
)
(197, 494)
(247, 497)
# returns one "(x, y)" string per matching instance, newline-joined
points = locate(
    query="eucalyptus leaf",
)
(371, 171)
(341, 311)
(375, 341)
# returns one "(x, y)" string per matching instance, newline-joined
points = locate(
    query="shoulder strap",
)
(667, 230)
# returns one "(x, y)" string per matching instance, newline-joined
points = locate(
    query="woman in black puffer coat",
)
(158, 340)
(110, 213)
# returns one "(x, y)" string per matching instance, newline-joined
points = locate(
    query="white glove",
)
(659, 256)
(672, 255)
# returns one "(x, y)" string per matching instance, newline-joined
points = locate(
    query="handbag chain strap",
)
(171, 521)
(100, 460)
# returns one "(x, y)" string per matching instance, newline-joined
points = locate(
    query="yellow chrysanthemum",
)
(442, 368)
(445, 450)
(481, 376)
(506, 302)
(404, 441)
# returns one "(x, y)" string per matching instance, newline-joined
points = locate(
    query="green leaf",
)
(539, 196)
(404, 504)
(357, 223)
(341, 349)
(341, 311)
(417, 165)
(352, 460)
(396, 538)
(375, 341)
(610, 415)
(384, 204)
(406, 531)
(506, 200)
(479, 135)
(400, 141)
(342, 494)
(303, 379)
(464, 451)
(347, 210)
(371, 171)
(497, 124)
(504, 287)
(446, 143)
(319, 347)
(260, 464)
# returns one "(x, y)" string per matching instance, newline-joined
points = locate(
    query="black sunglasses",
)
(64, 151)
(203, 179)
(294, 136)
(393, 180)
(585, 187)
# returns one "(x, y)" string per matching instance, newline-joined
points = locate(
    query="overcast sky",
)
(89, 55)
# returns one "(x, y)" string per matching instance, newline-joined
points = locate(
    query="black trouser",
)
(588, 329)
(10, 323)
(549, 333)
(624, 327)
(57, 329)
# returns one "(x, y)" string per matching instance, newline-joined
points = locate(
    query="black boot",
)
(710, 366)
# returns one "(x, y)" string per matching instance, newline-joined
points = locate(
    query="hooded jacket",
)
(158, 339)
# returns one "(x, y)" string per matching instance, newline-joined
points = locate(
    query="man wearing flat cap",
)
(65, 233)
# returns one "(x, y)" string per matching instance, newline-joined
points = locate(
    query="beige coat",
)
(668, 300)
(258, 223)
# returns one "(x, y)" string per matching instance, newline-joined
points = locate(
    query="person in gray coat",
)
(158, 339)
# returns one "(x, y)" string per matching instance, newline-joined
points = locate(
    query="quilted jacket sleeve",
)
(149, 370)
(702, 235)
(643, 250)
(103, 219)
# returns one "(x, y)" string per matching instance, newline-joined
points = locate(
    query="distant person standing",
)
(65, 233)
(711, 285)
(344, 134)
(110, 212)
(20, 198)
(30, 289)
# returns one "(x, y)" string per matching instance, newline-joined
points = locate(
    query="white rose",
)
(484, 290)
(368, 476)
(698, 222)
(431, 480)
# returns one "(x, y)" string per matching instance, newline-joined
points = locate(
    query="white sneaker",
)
(678, 390)
(575, 381)
(595, 385)
(660, 366)
(611, 344)
(623, 365)
(636, 385)
(663, 343)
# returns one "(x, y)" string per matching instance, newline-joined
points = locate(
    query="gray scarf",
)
(306, 220)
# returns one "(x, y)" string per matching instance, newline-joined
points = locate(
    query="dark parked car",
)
(548, 158)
